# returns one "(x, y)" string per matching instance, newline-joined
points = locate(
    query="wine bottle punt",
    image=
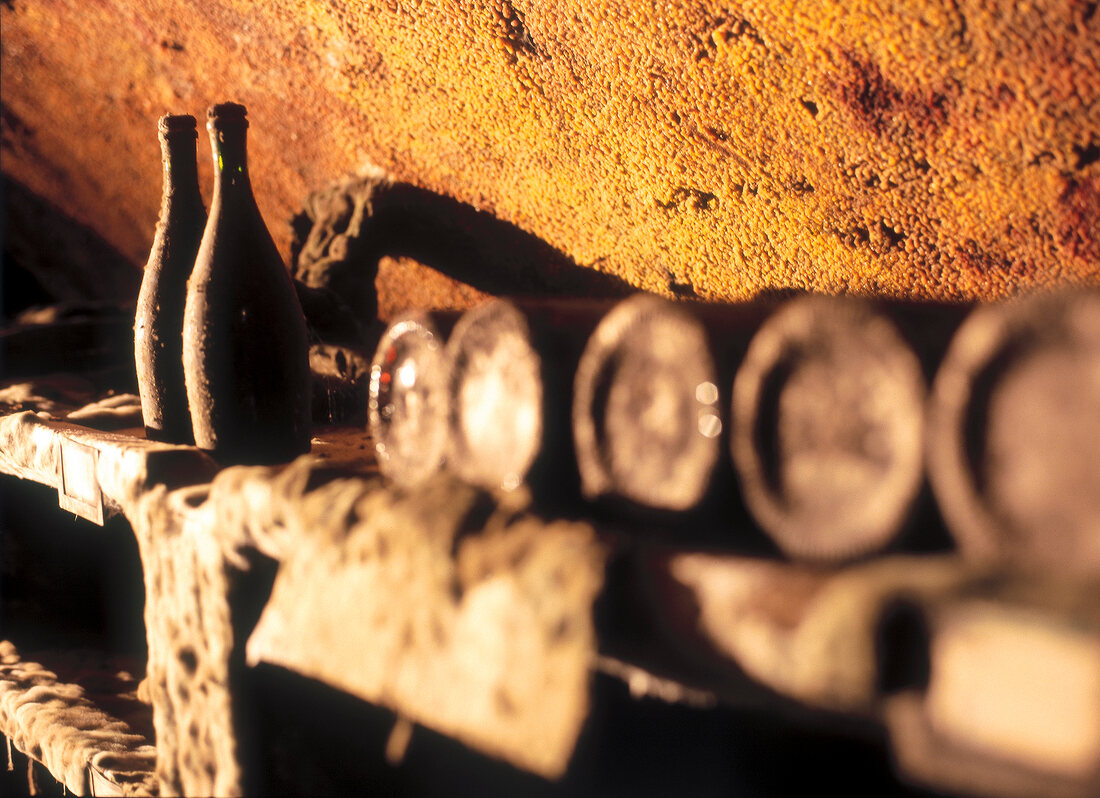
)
(158, 322)
(408, 403)
(511, 382)
(647, 422)
(827, 412)
(245, 355)
(1014, 433)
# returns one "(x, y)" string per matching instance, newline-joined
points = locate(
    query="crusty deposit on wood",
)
(57, 724)
(483, 632)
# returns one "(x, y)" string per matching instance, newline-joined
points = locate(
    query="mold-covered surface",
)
(491, 640)
(55, 717)
(471, 615)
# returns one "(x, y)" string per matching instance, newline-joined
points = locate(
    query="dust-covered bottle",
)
(1014, 433)
(649, 409)
(512, 364)
(158, 323)
(246, 351)
(828, 414)
(408, 404)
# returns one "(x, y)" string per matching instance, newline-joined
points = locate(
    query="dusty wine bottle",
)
(245, 353)
(647, 421)
(511, 380)
(1014, 433)
(827, 427)
(158, 323)
(408, 403)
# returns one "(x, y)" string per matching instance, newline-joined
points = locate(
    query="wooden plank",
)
(1011, 705)
(481, 632)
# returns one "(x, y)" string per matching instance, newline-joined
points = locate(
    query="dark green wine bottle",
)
(246, 350)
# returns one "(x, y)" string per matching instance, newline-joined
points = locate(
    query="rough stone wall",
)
(947, 149)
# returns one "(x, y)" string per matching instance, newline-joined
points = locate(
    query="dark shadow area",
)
(924, 530)
(902, 648)
(346, 229)
(249, 591)
(479, 249)
(649, 747)
(65, 582)
(22, 777)
(319, 741)
(93, 341)
(49, 257)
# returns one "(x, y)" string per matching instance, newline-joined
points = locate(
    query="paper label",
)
(77, 485)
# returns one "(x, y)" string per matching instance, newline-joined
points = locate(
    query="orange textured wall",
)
(947, 149)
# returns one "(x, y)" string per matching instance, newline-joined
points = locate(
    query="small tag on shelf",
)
(77, 486)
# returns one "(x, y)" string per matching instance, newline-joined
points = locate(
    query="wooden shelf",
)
(79, 716)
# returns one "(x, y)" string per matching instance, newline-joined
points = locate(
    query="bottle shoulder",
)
(236, 231)
(235, 271)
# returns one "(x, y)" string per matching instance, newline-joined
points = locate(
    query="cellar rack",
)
(314, 593)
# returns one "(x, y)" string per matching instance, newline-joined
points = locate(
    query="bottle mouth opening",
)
(175, 124)
(224, 115)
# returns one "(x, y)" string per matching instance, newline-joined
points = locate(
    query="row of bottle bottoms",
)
(220, 342)
(824, 418)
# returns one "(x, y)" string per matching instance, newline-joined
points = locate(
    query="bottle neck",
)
(230, 158)
(181, 174)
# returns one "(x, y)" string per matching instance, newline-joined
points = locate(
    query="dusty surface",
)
(57, 722)
(808, 633)
(187, 625)
(945, 148)
(491, 640)
(1012, 705)
(124, 467)
(405, 284)
(464, 613)
(1014, 434)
